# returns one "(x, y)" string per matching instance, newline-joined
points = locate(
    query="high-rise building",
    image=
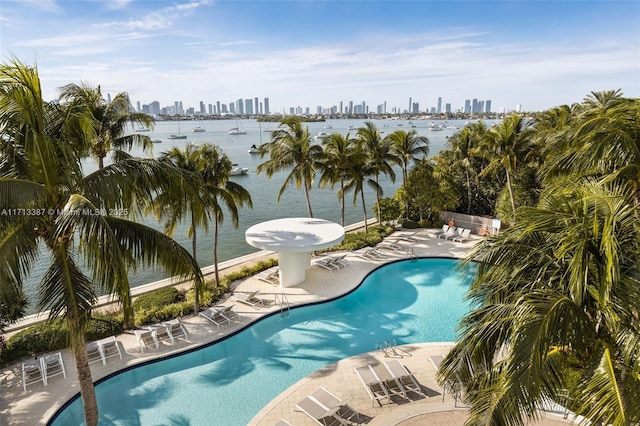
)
(154, 107)
(266, 106)
(474, 106)
(256, 106)
(447, 108)
(340, 107)
(138, 107)
(248, 106)
(480, 106)
(350, 107)
(415, 108)
(232, 108)
(410, 105)
(518, 108)
(439, 104)
(202, 108)
(487, 105)
(210, 109)
(239, 106)
(218, 107)
(467, 106)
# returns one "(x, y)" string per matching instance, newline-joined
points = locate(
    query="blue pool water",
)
(229, 382)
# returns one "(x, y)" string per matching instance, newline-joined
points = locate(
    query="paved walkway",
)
(40, 402)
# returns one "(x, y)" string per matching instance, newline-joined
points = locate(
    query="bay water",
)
(263, 190)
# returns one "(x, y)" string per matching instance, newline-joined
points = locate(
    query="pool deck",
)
(39, 403)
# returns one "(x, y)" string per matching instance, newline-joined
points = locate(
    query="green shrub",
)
(157, 299)
(54, 336)
(164, 313)
(410, 224)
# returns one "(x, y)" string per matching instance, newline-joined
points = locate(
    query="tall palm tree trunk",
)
(513, 201)
(342, 208)
(466, 172)
(364, 209)
(377, 201)
(306, 195)
(85, 381)
(194, 251)
(215, 250)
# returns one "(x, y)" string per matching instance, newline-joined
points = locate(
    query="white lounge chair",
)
(250, 299)
(375, 387)
(94, 353)
(213, 314)
(406, 236)
(369, 253)
(450, 232)
(319, 413)
(176, 328)
(339, 260)
(451, 385)
(445, 227)
(404, 377)
(162, 333)
(330, 401)
(463, 236)
(52, 366)
(146, 339)
(458, 232)
(230, 314)
(32, 373)
(271, 276)
(324, 262)
(109, 347)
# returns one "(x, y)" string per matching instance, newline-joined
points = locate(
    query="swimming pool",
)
(229, 382)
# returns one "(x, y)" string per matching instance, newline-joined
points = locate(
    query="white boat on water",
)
(199, 129)
(177, 136)
(328, 126)
(156, 141)
(142, 129)
(236, 170)
(253, 150)
(236, 131)
(321, 136)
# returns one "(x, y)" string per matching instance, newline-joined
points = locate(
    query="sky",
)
(537, 54)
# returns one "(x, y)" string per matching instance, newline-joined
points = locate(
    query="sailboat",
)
(178, 136)
(236, 130)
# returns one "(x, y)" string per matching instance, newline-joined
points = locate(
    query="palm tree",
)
(290, 146)
(80, 220)
(220, 192)
(358, 175)
(561, 284)
(601, 140)
(407, 147)
(506, 146)
(111, 120)
(380, 156)
(171, 209)
(463, 145)
(338, 156)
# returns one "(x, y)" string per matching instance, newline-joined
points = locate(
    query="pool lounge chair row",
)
(331, 263)
(220, 315)
(401, 382)
(270, 276)
(42, 369)
(101, 350)
(167, 332)
(457, 234)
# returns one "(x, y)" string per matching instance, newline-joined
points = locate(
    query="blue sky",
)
(307, 53)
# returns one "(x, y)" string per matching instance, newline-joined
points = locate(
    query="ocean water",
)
(264, 191)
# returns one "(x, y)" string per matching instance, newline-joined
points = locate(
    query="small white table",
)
(294, 239)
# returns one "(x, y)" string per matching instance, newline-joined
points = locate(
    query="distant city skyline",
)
(537, 54)
(253, 106)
